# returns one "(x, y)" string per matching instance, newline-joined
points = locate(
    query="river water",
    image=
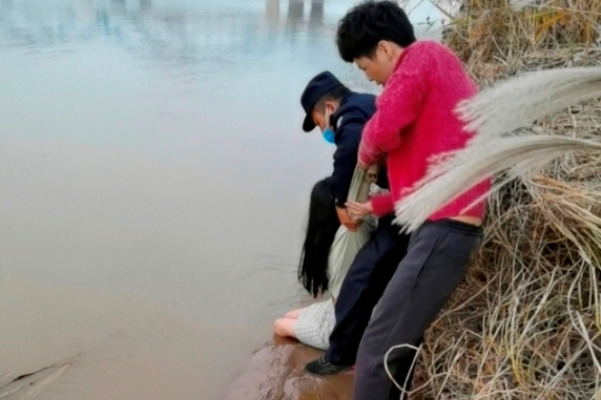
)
(154, 184)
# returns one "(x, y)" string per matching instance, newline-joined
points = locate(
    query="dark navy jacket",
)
(348, 121)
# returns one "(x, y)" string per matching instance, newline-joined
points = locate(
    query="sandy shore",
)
(276, 372)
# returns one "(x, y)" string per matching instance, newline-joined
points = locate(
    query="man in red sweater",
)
(415, 121)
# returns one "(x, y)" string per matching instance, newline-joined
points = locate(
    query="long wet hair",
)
(321, 229)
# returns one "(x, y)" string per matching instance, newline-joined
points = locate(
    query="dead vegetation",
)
(526, 322)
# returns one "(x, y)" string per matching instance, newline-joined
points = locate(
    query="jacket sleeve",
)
(345, 160)
(397, 107)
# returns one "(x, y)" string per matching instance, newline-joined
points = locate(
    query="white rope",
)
(401, 346)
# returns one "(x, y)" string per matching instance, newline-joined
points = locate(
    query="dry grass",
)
(495, 38)
(526, 323)
(501, 118)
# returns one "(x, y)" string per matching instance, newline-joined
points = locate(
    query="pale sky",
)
(420, 10)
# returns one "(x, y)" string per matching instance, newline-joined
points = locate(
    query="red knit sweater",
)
(415, 120)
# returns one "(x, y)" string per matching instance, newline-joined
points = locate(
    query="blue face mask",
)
(328, 135)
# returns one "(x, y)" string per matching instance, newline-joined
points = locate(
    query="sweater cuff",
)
(364, 157)
(382, 204)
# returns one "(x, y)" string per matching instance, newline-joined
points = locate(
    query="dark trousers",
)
(363, 286)
(436, 261)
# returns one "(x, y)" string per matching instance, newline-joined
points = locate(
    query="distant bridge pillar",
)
(316, 13)
(295, 9)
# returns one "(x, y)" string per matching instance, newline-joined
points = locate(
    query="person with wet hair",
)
(339, 264)
(329, 249)
(415, 121)
(322, 225)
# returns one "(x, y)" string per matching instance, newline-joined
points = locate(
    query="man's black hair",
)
(337, 94)
(365, 25)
